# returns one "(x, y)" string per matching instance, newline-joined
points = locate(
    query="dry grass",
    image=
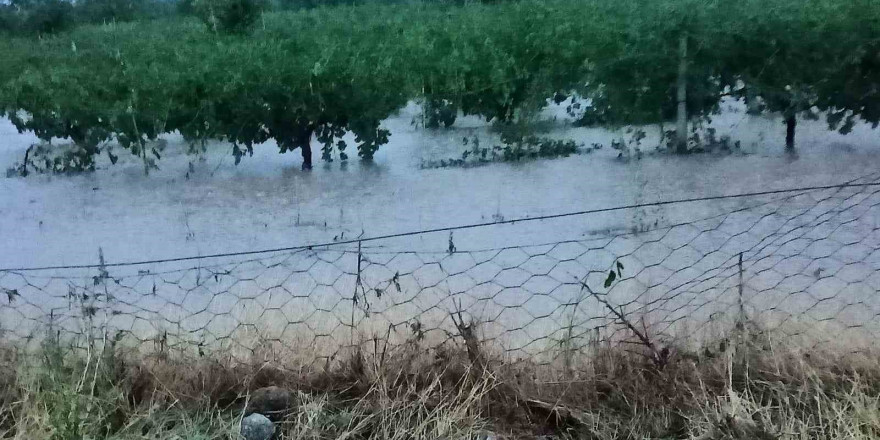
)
(747, 388)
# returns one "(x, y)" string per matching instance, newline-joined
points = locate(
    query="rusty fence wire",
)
(803, 266)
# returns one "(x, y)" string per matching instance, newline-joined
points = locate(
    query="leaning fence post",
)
(354, 296)
(740, 320)
(105, 275)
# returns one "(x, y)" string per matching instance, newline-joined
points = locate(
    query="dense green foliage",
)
(229, 16)
(285, 83)
(40, 17)
(328, 71)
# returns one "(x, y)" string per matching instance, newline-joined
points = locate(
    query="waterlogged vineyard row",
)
(327, 72)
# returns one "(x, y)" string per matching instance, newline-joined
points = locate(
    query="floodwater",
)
(523, 277)
(267, 202)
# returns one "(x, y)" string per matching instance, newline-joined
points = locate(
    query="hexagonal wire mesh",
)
(804, 266)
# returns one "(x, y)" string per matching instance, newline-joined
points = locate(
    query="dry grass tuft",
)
(743, 388)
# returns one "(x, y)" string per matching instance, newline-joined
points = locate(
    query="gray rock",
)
(486, 435)
(257, 427)
(273, 402)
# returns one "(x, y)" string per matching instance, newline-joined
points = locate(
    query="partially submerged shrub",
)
(440, 112)
(46, 158)
(511, 150)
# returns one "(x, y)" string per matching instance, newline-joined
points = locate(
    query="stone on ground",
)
(257, 427)
(273, 402)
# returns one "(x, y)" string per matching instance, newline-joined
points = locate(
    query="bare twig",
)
(659, 357)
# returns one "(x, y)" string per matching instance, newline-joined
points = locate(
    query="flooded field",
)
(805, 254)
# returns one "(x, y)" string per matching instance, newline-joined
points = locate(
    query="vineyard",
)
(722, 296)
(327, 73)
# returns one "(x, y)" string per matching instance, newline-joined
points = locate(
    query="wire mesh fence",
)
(802, 265)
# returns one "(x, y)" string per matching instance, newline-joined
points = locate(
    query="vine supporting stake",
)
(681, 128)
